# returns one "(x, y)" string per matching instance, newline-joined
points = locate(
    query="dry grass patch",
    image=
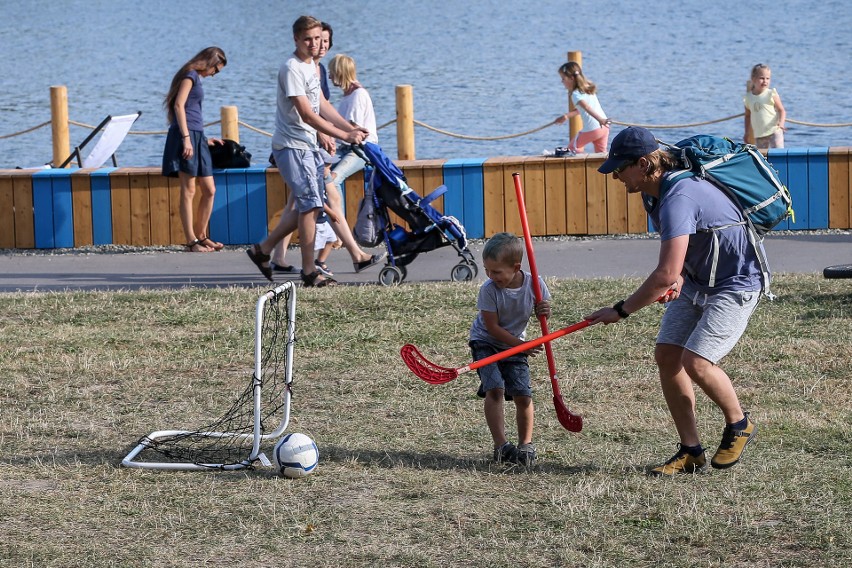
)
(404, 477)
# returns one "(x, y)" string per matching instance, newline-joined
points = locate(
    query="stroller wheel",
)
(390, 276)
(462, 272)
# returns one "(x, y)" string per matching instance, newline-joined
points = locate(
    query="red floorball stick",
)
(438, 375)
(569, 420)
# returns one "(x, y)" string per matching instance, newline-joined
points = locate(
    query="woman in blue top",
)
(187, 154)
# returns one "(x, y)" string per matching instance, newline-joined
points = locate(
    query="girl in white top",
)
(583, 93)
(764, 113)
(356, 106)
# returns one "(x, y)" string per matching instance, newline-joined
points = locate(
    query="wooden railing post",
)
(576, 123)
(230, 123)
(405, 122)
(59, 124)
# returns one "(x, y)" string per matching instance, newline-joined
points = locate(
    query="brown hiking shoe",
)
(681, 462)
(733, 445)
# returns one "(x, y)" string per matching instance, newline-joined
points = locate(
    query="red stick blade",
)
(570, 421)
(425, 369)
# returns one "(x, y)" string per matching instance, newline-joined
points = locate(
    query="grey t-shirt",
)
(513, 306)
(295, 78)
(689, 207)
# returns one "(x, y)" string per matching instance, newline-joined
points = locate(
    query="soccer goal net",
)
(261, 412)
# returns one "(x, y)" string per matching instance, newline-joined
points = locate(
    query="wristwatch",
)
(619, 307)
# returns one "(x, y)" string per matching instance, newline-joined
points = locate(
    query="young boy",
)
(505, 303)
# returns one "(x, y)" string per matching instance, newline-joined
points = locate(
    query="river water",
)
(483, 68)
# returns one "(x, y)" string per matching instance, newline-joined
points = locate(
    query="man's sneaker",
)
(526, 455)
(507, 453)
(733, 444)
(682, 462)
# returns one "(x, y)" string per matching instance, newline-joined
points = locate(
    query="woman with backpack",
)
(709, 300)
(584, 96)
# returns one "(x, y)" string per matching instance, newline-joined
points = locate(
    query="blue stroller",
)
(429, 229)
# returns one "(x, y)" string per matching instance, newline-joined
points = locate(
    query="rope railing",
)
(457, 135)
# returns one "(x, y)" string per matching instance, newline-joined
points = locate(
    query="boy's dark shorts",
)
(511, 374)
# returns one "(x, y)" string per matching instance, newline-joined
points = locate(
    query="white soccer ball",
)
(296, 455)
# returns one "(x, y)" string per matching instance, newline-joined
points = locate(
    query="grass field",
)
(404, 476)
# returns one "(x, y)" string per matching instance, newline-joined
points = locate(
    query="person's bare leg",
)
(341, 227)
(494, 416)
(205, 210)
(678, 392)
(525, 418)
(280, 250)
(187, 194)
(715, 383)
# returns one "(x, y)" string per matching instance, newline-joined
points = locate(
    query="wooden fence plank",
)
(176, 231)
(22, 189)
(839, 198)
(81, 200)
(121, 216)
(555, 196)
(140, 209)
(595, 199)
(616, 206)
(576, 214)
(492, 182)
(535, 197)
(7, 212)
(161, 231)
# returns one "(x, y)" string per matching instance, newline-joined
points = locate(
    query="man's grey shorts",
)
(512, 374)
(709, 325)
(303, 172)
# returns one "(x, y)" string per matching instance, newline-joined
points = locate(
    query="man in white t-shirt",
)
(301, 113)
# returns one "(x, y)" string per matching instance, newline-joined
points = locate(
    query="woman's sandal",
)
(310, 280)
(260, 260)
(190, 246)
(210, 243)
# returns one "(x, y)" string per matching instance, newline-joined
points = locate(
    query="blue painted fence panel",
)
(778, 158)
(256, 203)
(818, 188)
(464, 199)
(797, 183)
(101, 206)
(52, 204)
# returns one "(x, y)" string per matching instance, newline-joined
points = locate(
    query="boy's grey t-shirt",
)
(513, 307)
(295, 78)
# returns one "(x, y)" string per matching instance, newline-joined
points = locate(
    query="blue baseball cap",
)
(631, 144)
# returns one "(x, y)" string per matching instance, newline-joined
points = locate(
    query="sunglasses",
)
(216, 69)
(624, 166)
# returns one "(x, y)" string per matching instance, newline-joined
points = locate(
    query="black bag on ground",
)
(229, 154)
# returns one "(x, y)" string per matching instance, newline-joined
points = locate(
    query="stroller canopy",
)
(386, 168)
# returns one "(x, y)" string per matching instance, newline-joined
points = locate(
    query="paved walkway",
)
(570, 258)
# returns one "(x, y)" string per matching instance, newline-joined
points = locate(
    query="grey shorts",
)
(709, 325)
(303, 172)
(511, 374)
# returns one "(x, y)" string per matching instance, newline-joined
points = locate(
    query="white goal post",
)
(273, 371)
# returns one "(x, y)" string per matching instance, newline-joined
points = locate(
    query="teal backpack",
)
(742, 173)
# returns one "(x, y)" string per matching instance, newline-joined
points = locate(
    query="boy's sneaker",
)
(682, 462)
(526, 455)
(733, 444)
(507, 453)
